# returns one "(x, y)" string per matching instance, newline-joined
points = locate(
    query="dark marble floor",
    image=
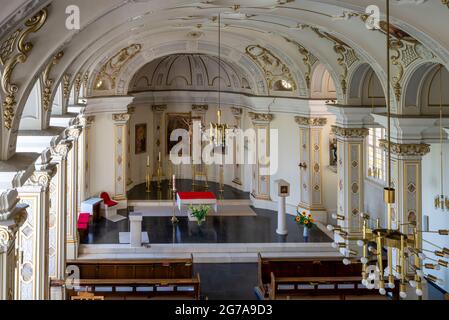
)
(236, 280)
(216, 229)
(139, 193)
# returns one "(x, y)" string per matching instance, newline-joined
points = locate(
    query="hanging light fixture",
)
(441, 201)
(407, 268)
(217, 132)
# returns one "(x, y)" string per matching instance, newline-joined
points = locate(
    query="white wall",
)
(437, 219)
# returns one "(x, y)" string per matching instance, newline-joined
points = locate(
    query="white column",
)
(282, 225)
(261, 182)
(158, 135)
(84, 157)
(32, 274)
(135, 228)
(12, 217)
(58, 210)
(72, 134)
(311, 164)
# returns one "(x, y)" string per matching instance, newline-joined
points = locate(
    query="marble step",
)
(212, 257)
(209, 253)
(150, 203)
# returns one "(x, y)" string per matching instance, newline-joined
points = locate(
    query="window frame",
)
(372, 147)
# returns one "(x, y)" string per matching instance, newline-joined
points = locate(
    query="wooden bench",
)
(149, 278)
(298, 269)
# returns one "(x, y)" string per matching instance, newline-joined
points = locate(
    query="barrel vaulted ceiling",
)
(296, 34)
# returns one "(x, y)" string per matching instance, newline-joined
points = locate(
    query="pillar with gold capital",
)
(260, 175)
(120, 154)
(12, 217)
(237, 112)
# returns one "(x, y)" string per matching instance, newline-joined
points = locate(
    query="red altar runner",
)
(187, 198)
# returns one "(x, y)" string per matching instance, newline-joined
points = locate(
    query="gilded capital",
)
(159, 107)
(406, 149)
(316, 122)
(73, 132)
(260, 117)
(350, 132)
(42, 178)
(62, 149)
(121, 117)
(200, 107)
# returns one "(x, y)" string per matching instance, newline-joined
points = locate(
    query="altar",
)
(196, 198)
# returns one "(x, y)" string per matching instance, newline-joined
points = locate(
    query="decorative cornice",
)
(73, 133)
(107, 76)
(350, 132)
(48, 82)
(8, 200)
(62, 149)
(159, 107)
(406, 149)
(13, 51)
(315, 122)
(262, 117)
(9, 228)
(200, 107)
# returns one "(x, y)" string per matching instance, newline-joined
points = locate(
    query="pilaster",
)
(120, 154)
(311, 163)
(158, 134)
(237, 179)
(32, 281)
(261, 168)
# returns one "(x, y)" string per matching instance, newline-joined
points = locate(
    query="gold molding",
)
(78, 82)
(107, 76)
(159, 107)
(350, 132)
(316, 122)
(406, 149)
(17, 44)
(308, 58)
(273, 68)
(118, 117)
(66, 86)
(48, 82)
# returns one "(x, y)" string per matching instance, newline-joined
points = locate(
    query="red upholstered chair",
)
(107, 200)
(109, 208)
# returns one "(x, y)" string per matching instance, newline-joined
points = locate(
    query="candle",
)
(174, 182)
(148, 161)
(159, 157)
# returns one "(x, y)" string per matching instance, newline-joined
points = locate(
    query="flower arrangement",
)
(199, 212)
(305, 219)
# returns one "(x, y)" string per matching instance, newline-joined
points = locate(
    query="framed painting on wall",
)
(141, 138)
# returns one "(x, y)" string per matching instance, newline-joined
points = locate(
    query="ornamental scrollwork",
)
(200, 107)
(308, 59)
(49, 82)
(78, 83)
(66, 86)
(107, 76)
(274, 69)
(346, 55)
(41, 178)
(13, 51)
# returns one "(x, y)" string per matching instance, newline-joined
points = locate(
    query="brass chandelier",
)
(403, 262)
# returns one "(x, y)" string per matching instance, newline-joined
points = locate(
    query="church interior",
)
(224, 150)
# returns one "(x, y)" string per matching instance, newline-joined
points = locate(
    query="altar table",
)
(193, 198)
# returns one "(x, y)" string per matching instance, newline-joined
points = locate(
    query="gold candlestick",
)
(173, 218)
(148, 176)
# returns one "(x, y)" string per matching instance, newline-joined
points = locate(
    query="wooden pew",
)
(339, 287)
(149, 278)
(291, 268)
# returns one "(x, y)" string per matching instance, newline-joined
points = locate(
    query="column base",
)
(72, 249)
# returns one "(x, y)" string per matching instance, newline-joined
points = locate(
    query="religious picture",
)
(176, 121)
(141, 138)
(332, 151)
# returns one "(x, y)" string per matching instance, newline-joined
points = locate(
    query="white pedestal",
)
(135, 228)
(282, 223)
